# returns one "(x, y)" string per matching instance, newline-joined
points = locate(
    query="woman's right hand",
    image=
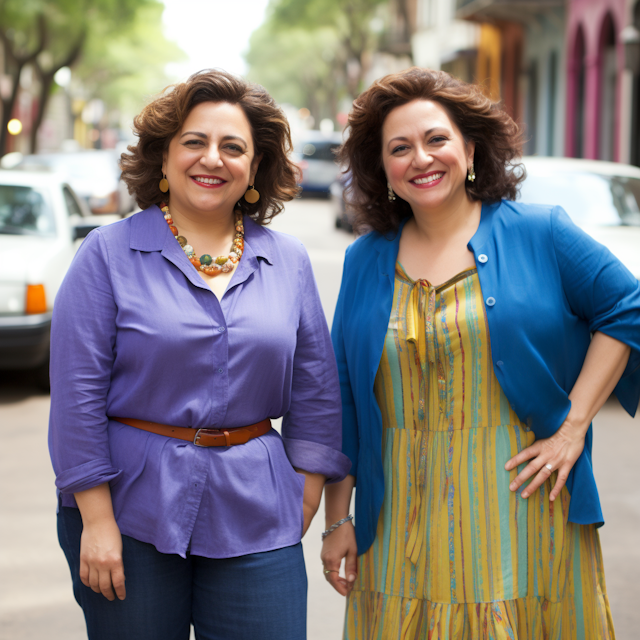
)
(340, 544)
(101, 566)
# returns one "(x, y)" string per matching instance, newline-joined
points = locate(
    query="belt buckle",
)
(218, 432)
(196, 437)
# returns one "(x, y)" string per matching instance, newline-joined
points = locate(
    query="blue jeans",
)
(261, 596)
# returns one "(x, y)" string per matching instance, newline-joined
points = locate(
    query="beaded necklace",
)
(205, 263)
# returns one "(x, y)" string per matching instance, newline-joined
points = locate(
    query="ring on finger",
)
(328, 571)
(549, 466)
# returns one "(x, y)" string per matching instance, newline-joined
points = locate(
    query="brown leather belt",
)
(202, 437)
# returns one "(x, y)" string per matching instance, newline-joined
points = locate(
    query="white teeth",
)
(208, 180)
(431, 178)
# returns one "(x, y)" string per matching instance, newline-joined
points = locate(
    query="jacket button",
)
(490, 301)
(499, 363)
(482, 258)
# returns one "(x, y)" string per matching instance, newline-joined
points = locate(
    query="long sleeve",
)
(82, 344)
(311, 428)
(601, 290)
(137, 333)
(350, 438)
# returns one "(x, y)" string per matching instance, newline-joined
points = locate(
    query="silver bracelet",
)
(333, 527)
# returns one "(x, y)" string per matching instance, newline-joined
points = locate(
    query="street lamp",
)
(630, 37)
(14, 126)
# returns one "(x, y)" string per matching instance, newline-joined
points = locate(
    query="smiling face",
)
(425, 157)
(211, 160)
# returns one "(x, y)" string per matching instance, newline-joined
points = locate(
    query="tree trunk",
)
(356, 43)
(16, 63)
(46, 82)
(8, 106)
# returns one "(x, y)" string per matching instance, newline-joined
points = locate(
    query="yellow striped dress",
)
(456, 554)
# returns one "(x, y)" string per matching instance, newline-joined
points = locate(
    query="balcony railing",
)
(509, 10)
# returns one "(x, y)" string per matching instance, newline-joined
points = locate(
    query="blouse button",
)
(221, 329)
(482, 258)
(220, 370)
(490, 301)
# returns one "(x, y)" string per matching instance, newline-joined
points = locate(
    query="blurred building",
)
(394, 53)
(440, 41)
(596, 88)
(527, 39)
(567, 71)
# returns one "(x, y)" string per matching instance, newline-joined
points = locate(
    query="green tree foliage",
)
(125, 68)
(350, 19)
(314, 52)
(298, 66)
(51, 34)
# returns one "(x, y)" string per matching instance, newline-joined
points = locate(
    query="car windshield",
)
(588, 198)
(25, 211)
(318, 150)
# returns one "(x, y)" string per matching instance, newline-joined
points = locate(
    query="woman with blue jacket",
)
(476, 339)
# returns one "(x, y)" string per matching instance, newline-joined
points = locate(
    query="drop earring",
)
(251, 195)
(471, 176)
(164, 184)
(390, 194)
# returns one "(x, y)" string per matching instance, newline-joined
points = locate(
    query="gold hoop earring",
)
(471, 176)
(164, 184)
(251, 195)
(390, 194)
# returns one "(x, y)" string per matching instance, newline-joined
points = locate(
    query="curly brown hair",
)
(497, 137)
(162, 119)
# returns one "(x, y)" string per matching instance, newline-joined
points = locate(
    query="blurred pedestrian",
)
(166, 369)
(469, 381)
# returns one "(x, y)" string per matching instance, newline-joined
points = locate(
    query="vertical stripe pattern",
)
(457, 555)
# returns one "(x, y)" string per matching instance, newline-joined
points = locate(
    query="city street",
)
(36, 600)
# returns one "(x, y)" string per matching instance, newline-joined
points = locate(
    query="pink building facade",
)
(595, 69)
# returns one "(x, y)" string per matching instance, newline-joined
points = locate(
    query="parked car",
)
(93, 174)
(314, 155)
(344, 214)
(601, 197)
(42, 223)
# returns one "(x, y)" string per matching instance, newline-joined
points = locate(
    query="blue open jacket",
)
(547, 287)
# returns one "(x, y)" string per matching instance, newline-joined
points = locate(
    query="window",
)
(25, 211)
(319, 150)
(73, 208)
(588, 198)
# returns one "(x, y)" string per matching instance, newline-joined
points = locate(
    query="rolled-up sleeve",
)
(604, 292)
(83, 332)
(311, 429)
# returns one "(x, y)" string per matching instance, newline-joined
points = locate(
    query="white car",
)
(601, 197)
(42, 223)
(93, 174)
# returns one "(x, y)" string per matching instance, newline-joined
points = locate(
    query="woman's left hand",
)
(557, 453)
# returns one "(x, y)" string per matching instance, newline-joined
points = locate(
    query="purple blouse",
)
(136, 333)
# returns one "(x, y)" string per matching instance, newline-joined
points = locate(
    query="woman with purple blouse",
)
(177, 335)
